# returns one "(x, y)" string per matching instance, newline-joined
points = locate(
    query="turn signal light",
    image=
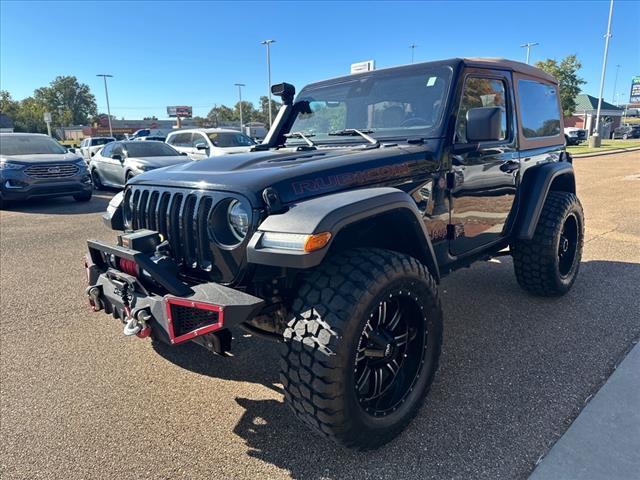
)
(316, 241)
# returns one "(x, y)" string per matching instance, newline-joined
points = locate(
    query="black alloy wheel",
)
(389, 354)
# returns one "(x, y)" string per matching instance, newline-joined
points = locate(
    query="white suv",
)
(89, 146)
(199, 143)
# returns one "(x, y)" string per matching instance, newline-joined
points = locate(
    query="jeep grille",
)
(183, 218)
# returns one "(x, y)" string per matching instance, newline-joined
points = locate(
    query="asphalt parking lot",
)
(79, 400)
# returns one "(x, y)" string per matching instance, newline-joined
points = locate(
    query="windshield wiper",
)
(352, 132)
(303, 136)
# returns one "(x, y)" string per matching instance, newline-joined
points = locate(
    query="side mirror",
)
(93, 153)
(484, 124)
(71, 150)
(184, 153)
(201, 146)
(117, 156)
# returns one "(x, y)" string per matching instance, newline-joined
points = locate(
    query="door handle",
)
(510, 166)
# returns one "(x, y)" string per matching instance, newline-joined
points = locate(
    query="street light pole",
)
(596, 133)
(615, 82)
(268, 44)
(240, 85)
(106, 93)
(528, 46)
(412, 47)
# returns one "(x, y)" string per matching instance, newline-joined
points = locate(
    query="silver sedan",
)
(117, 162)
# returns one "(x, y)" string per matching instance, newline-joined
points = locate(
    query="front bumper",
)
(173, 311)
(15, 185)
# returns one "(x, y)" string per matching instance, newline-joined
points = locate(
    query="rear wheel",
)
(548, 264)
(362, 346)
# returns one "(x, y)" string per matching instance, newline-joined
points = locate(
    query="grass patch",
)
(606, 145)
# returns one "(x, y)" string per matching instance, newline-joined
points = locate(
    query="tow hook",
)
(138, 324)
(94, 298)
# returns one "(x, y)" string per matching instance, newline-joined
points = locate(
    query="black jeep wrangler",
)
(332, 235)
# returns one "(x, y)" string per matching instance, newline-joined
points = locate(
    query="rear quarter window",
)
(539, 109)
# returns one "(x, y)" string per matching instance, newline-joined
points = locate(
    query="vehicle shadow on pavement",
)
(62, 205)
(254, 360)
(515, 371)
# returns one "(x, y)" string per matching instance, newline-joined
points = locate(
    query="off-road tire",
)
(322, 339)
(537, 262)
(96, 180)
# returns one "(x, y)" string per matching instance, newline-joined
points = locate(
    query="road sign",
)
(47, 117)
(634, 96)
(366, 66)
(179, 111)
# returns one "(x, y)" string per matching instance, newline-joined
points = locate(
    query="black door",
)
(485, 177)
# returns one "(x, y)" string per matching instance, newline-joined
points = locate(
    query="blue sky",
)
(191, 53)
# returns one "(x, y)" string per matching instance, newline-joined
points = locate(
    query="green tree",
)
(248, 111)
(8, 105)
(69, 101)
(221, 113)
(566, 72)
(262, 114)
(30, 116)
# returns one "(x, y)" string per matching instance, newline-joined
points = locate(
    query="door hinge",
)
(455, 230)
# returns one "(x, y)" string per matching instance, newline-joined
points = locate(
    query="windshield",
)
(383, 104)
(150, 149)
(101, 141)
(29, 145)
(229, 139)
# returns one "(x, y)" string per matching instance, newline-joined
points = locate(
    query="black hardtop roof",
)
(492, 63)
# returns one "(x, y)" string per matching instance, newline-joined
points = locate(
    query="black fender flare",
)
(536, 184)
(332, 213)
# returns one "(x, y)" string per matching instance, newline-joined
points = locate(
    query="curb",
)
(607, 152)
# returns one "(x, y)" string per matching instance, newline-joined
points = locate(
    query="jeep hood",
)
(298, 174)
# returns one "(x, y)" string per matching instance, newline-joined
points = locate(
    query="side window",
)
(171, 140)
(197, 138)
(182, 140)
(106, 151)
(117, 149)
(481, 92)
(539, 110)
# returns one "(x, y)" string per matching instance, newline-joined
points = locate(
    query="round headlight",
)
(238, 217)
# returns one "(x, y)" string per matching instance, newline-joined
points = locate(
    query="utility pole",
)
(615, 82)
(596, 134)
(240, 85)
(528, 46)
(268, 44)
(106, 93)
(412, 47)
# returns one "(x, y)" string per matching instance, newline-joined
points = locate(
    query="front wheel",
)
(362, 346)
(548, 264)
(82, 197)
(96, 180)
